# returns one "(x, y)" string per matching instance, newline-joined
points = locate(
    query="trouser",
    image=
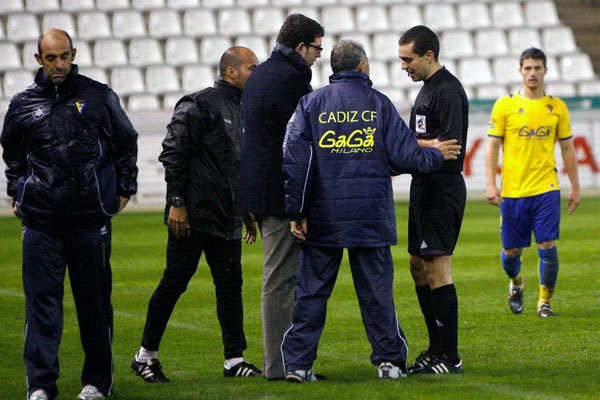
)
(373, 275)
(224, 259)
(279, 281)
(45, 258)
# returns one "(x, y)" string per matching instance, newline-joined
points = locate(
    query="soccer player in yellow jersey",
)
(527, 124)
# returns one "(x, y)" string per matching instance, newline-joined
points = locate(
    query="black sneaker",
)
(150, 371)
(515, 299)
(544, 311)
(242, 370)
(440, 365)
(421, 362)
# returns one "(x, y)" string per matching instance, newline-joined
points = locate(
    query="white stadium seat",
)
(127, 24)
(109, 53)
(507, 14)
(11, 6)
(557, 40)
(506, 70)
(491, 92)
(319, 2)
(197, 77)
(439, 16)
(2, 34)
(286, 3)
(327, 43)
(183, 4)
(97, 74)
(308, 11)
(354, 2)
(29, 51)
(457, 43)
(337, 19)
(405, 16)
(110, 5)
(491, 42)
(217, 3)
(379, 74)
(371, 18)
(234, 22)
(199, 22)
(127, 80)
(148, 4)
(397, 96)
(361, 38)
(561, 89)
(170, 100)
(473, 15)
(255, 43)
(163, 23)
(144, 51)
(161, 79)
(589, 88)
(553, 73)
(83, 57)
(60, 20)
(9, 56)
(520, 39)
(540, 13)
(576, 67)
(22, 27)
(181, 50)
(385, 46)
(93, 25)
(15, 81)
(143, 102)
(212, 47)
(252, 3)
(474, 71)
(267, 21)
(42, 6)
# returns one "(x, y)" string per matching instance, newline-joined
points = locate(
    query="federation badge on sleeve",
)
(420, 124)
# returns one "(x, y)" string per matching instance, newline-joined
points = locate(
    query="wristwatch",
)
(177, 201)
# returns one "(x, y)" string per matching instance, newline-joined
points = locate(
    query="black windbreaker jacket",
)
(70, 152)
(201, 156)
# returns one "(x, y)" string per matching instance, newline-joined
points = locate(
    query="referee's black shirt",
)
(441, 111)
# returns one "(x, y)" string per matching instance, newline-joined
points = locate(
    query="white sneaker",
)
(38, 395)
(387, 370)
(300, 376)
(90, 392)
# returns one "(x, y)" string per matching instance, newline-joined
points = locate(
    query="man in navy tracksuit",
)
(70, 153)
(342, 143)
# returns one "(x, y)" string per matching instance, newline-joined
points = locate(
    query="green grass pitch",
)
(505, 356)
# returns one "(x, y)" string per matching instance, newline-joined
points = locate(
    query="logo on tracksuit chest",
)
(38, 112)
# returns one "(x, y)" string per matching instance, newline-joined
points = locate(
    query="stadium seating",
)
(181, 50)
(143, 102)
(10, 56)
(199, 22)
(22, 27)
(11, 6)
(110, 5)
(109, 53)
(145, 51)
(15, 81)
(127, 80)
(197, 77)
(61, 20)
(93, 25)
(127, 24)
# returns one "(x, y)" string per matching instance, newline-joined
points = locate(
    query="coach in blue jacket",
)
(342, 144)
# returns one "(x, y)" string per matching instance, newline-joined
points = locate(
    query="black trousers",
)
(224, 259)
(45, 258)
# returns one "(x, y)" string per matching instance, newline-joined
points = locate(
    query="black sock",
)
(424, 296)
(445, 303)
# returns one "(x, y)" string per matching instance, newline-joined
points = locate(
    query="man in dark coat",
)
(341, 145)
(70, 153)
(201, 156)
(268, 100)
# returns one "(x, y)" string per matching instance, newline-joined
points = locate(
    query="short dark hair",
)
(534, 54)
(297, 29)
(346, 55)
(43, 35)
(232, 57)
(423, 40)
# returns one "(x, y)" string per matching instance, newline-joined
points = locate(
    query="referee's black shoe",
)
(150, 371)
(439, 365)
(242, 370)
(422, 361)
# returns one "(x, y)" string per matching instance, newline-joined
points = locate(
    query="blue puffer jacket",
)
(70, 152)
(342, 143)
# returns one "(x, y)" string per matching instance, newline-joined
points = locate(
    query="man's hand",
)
(123, 202)
(574, 200)
(251, 228)
(493, 195)
(299, 229)
(178, 222)
(449, 148)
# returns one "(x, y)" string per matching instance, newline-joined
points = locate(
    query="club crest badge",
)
(38, 112)
(550, 108)
(80, 104)
(421, 124)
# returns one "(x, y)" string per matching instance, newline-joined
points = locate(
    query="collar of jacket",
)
(351, 76)
(45, 83)
(434, 77)
(232, 92)
(282, 52)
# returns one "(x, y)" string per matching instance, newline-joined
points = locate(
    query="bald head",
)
(55, 54)
(236, 65)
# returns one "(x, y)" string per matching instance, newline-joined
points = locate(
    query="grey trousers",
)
(278, 290)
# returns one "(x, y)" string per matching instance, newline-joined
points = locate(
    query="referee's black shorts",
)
(437, 205)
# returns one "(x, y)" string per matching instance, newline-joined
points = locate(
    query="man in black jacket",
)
(268, 101)
(70, 153)
(201, 156)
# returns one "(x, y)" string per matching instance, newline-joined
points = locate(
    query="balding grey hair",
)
(346, 55)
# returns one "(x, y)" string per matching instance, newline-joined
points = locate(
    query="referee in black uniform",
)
(437, 199)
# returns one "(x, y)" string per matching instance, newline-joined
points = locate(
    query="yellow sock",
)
(517, 280)
(545, 295)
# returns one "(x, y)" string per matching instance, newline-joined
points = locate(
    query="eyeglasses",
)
(317, 48)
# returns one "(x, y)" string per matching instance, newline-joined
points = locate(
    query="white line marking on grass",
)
(12, 293)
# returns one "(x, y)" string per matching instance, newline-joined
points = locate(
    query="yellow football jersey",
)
(529, 129)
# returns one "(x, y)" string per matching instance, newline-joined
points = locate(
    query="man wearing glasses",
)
(268, 100)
